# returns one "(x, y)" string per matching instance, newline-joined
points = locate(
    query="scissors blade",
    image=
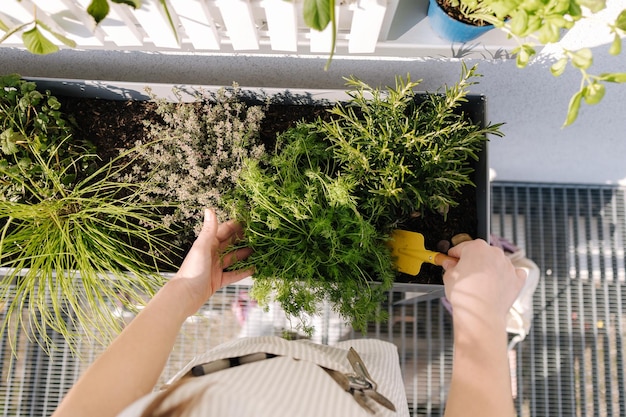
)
(361, 399)
(340, 378)
(380, 399)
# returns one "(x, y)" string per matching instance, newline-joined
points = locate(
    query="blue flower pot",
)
(451, 29)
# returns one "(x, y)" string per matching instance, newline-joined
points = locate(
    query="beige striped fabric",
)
(292, 384)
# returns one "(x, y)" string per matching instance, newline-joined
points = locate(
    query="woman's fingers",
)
(229, 232)
(221, 236)
(210, 225)
(457, 250)
(231, 277)
(234, 256)
(522, 274)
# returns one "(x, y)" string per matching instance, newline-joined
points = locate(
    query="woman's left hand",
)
(202, 271)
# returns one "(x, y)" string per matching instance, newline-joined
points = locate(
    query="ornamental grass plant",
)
(76, 243)
(72, 256)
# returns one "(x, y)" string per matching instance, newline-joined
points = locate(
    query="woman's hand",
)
(202, 271)
(483, 281)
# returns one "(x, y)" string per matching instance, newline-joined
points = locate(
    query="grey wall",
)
(531, 101)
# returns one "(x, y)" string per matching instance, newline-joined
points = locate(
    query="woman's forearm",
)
(481, 287)
(132, 364)
(481, 381)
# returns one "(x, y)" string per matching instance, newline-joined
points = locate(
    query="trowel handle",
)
(440, 258)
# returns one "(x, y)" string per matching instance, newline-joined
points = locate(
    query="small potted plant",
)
(452, 21)
(536, 23)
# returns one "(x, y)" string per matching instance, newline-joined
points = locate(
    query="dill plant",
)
(71, 256)
(310, 241)
(195, 154)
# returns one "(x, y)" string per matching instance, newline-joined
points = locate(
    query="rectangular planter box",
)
(475, 109)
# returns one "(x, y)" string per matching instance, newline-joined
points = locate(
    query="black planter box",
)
(474, 109)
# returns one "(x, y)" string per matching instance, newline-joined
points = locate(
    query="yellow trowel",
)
(409, 252)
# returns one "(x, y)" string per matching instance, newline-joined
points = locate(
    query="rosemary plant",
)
(404, 155)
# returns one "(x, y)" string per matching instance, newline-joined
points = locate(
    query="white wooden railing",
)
(266, 26)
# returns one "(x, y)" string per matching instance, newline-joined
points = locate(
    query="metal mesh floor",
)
(571, 363)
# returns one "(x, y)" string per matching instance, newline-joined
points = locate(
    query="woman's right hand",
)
(483, 281)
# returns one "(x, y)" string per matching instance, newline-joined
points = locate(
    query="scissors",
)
(360, 384)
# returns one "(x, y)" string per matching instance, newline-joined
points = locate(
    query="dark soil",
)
(116, 125)
(455, 13)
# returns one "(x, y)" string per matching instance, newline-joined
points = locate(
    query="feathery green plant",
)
(73, 255)
(310, 242)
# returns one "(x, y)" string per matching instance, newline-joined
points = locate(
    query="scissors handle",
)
(363, 385)
(359, 367)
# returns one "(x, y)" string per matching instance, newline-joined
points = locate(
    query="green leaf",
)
(559, 67)
(317, 13)
(9, 140)
(593, 5)
(54, 103)
(620, 22)
(616, 45)
(613, 77)
(65, 40)
(519, 23)
(24, 163)
(503, 8)
(534, 24)
(135, 4)
(593, 93)
(98, 9)
(574, 107)
(561, 7)
(575, 11)
(37, 43)
(524, 53)
(582, 59)
(10, 80)
(549, 32)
